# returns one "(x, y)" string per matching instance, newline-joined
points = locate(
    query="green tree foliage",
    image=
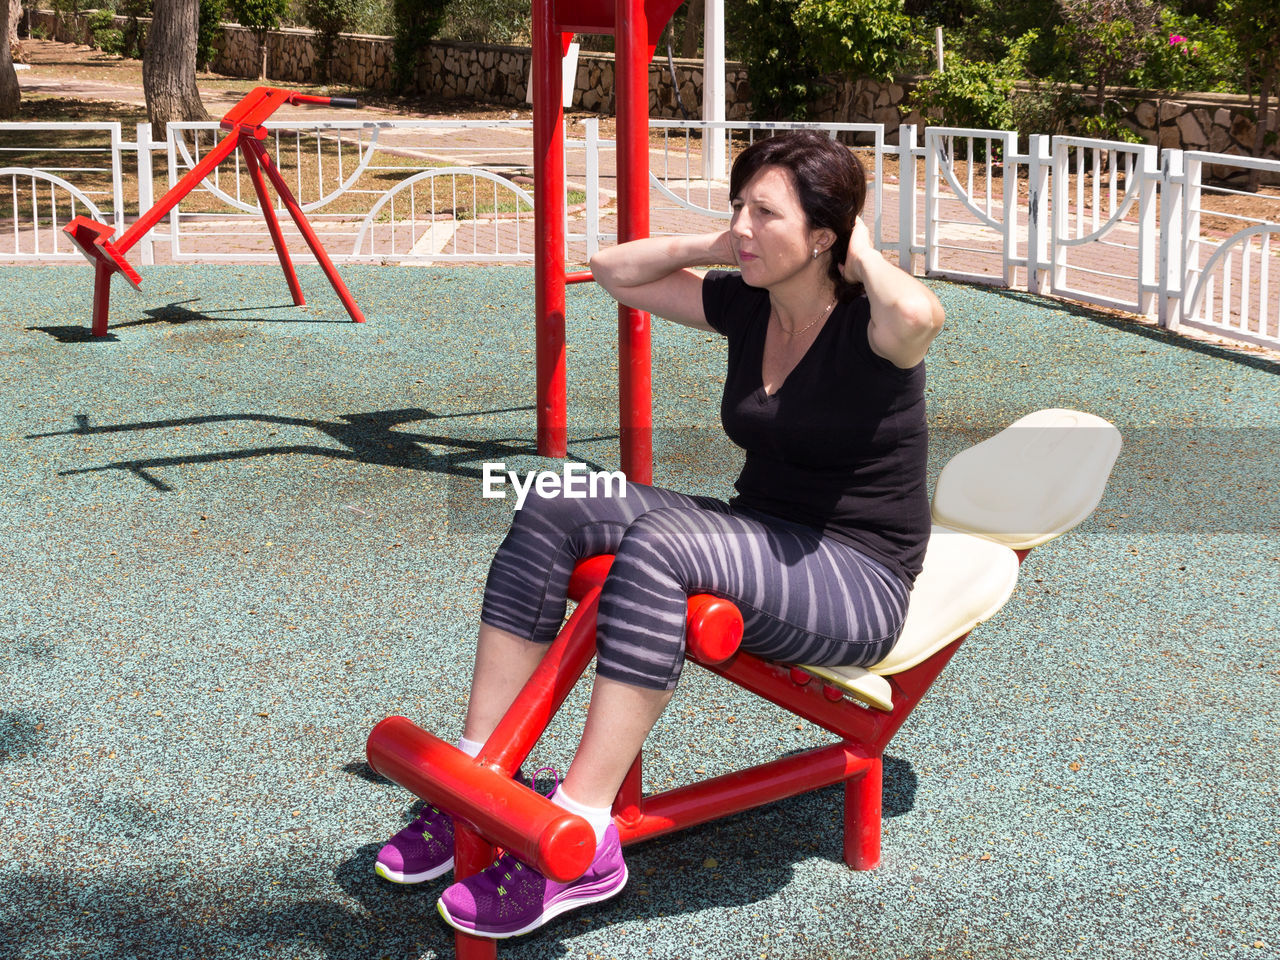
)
(987, 29)
(1188, 52)
(134, 33)
(487, 21)
(124, 40)
(417, 23)
(1105, 40)
(984, 95)
(858, 38)
(969, 93)
(103, 33)
(1171, 45)
(784, 74)
(788, 45)
(1256, 25)
(209, 31)
(974, 93)
(329, 18)
(261, 17)
(66, 10)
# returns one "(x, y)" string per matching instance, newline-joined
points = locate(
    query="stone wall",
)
(464, 71)
(1218, 122)
(470, 71)
(1222, 123)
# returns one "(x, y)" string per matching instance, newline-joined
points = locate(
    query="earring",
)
(815, 253)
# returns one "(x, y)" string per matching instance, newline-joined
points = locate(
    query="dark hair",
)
(828, 179)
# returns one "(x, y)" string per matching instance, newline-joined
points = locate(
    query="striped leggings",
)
(804, 598)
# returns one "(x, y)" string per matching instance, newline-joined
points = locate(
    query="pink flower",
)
(1175, 39)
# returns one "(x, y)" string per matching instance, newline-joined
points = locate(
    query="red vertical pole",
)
(548, 205)
(471, 853)
(863, 802)
(629, 803)
(300, 221)
(631, 73)
(101, 297)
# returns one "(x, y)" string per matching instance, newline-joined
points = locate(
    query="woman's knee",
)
(668, 542)
(663, 529)
(546, 510)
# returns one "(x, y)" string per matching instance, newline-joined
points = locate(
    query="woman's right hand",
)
(722, 250)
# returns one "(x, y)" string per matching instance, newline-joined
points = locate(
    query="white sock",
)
(598, 817)
(470, 747)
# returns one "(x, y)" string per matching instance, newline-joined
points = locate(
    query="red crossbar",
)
(741, 790)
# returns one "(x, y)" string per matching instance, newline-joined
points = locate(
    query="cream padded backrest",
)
(1032, 481)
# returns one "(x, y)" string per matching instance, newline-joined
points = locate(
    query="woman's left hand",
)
(905, 315)
(859, 246)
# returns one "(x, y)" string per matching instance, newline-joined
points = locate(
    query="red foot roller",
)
(556, 842)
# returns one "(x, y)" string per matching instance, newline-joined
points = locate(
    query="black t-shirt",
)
(842, 445)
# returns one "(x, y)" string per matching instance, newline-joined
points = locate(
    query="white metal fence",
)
(53, 173)
(1118, 225)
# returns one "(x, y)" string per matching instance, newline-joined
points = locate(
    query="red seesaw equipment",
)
(1031, 482)
(245, 128)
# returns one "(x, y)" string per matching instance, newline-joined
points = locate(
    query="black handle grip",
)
(344, 102)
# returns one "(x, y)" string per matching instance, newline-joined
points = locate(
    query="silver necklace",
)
(797, 333)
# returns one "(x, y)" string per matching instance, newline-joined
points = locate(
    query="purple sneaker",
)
(421, 851)
(511, 898)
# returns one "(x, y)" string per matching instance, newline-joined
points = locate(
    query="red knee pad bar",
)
(713, 627)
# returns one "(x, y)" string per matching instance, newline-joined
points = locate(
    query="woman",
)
(825, 392)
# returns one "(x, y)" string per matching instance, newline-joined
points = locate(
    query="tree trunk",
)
(169, 65)
(15, 18)
(1263, 125)
(10, 92)
(692, 28)
(262, 60)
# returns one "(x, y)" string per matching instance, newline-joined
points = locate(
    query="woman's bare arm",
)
(905, 315)
(654, 274)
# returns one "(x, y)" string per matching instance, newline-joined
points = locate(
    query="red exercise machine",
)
(1031, 482)
(245, 130)
(1028, 484)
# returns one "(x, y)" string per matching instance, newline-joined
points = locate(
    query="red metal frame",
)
(494, 810)
(244, 123)
(637, 26)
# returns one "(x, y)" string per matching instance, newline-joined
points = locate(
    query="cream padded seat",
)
(1034, 480)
